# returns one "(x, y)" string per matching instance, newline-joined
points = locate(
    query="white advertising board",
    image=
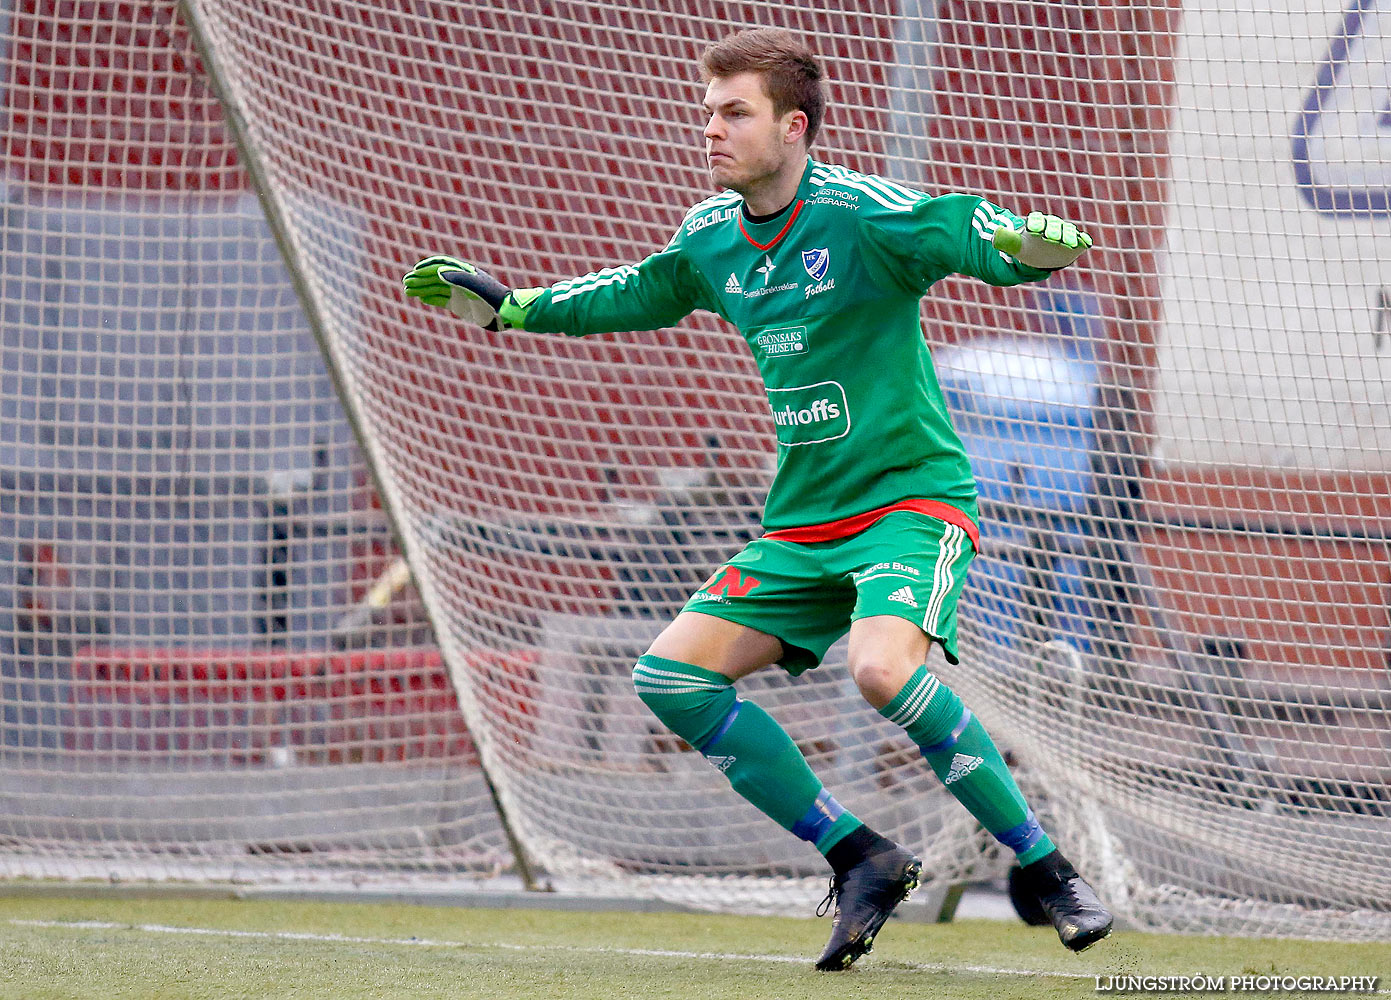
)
(1275, 350)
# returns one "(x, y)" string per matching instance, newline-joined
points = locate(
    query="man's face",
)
(744, 141)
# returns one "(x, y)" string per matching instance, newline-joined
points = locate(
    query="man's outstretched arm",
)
(965, 234)
(649, 295)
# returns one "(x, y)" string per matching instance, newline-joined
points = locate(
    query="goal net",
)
(197, 680)
(1178, 623)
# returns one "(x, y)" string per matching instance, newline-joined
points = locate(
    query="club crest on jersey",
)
(817, 262)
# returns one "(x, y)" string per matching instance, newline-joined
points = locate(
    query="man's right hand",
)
(467, 291)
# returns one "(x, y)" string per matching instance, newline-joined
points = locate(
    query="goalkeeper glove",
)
(1046, 242)
(469, 292)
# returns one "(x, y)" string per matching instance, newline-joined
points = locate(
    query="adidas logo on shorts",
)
(722, 763)
(962, 765)
(904, 595)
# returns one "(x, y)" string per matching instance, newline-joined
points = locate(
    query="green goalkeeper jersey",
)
(826, 293)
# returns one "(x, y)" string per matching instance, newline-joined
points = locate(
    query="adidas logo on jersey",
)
(732, 286)
(722, 763)
(904, 595)
(962, 765)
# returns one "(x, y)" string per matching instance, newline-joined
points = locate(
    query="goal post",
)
(312, 300)
(1178, 623)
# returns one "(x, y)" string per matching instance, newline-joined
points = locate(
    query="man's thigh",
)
(911, 566)
(782, 590)
(712, 643)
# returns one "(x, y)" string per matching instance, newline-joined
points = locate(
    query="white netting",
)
(187, 530)
(1179, 623)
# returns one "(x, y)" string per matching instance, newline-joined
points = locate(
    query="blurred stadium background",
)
(222, 428)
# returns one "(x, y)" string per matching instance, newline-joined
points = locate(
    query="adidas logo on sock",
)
(732, 286)
(904, 595)
(962, 765)
(722, 763)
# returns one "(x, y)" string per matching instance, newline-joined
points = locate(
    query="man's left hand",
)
(1047, 242)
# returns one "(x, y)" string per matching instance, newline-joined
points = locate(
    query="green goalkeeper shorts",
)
(906, 564)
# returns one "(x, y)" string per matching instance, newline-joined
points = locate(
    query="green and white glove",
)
(1046, 242)
(469, 292)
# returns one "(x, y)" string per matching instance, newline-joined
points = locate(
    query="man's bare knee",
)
(884, 653)
(712, 643)
(878, 679)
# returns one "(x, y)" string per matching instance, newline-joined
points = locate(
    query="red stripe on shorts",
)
(856, 523)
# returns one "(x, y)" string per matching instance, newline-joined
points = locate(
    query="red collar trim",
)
(781, 233)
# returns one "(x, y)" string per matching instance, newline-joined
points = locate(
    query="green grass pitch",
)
(162, 948)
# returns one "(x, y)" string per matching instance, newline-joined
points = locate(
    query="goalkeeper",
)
(871, 520)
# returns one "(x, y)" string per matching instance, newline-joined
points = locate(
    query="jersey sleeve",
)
(949, 234)
(654, 293)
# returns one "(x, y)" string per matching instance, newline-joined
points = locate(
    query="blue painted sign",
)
(1342, 138)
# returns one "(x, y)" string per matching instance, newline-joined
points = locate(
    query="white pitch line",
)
(506, 946)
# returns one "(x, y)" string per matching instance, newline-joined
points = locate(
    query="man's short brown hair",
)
(791, 74)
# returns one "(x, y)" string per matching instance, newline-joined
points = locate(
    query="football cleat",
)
(1069, 903)
(863, 898)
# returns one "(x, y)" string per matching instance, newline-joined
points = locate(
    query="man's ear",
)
(795, 126)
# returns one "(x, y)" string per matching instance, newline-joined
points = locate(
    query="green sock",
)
(746, 744)
(964, 756)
